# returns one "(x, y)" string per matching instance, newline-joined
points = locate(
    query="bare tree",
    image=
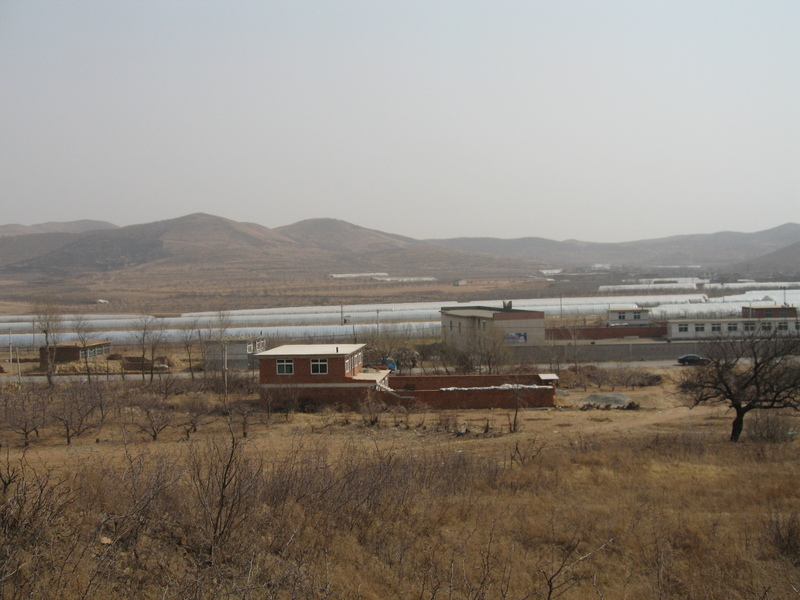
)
(83, 331)
(760, 371)
(218, 334)
(195, 412)
(146, 324)
(284, 398)
(149, 339)
(49, 320)
(73, 410)
(25, 409)
(243, 403)
(190, 337)
(493, 351)
(157, 415)
(225, 483)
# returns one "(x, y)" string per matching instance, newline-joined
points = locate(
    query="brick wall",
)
(436, 382)
(268, 371)
(475, 399)
(606, 333)
(351, 397)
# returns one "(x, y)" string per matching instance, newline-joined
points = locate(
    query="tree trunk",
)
(738, 424)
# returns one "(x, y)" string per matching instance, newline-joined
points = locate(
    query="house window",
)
(699, 327)
(83, 354)
(637, 316)
(750, 326)
(683, 327)
(621, 316)
(784, 312)
(249, 348)
(716, 327)
(783, 326)
(733, 327)
(768, 313)
(319, 366)
(766, 326)
(285, 366)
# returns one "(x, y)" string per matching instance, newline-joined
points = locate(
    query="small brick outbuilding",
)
(65, 352)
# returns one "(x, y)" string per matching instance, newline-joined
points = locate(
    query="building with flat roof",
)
(309, 365)
(518, 328)
(754, 320)
(65, 352)
(769, 312)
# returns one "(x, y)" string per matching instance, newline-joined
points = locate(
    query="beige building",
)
(515, 328)
(628, 316)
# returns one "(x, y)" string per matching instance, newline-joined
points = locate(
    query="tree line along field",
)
(179, 490)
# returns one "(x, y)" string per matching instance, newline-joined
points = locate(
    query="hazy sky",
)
(596, 120)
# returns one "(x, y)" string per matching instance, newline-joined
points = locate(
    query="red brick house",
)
(316, 375)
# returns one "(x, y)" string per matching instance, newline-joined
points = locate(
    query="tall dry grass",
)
(382, 505)
(670, 516)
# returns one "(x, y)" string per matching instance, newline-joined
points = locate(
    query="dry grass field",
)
(605, 504)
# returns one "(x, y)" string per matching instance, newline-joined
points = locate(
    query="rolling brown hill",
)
(212, 246)
(193, 239)
(783, 263)
(335, 235)
(205, 262)
(228, 249)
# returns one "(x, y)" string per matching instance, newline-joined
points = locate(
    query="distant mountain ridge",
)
(708, 250)
(210, 246)
(81, 226)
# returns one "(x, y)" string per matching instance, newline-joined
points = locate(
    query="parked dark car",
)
(692, 359)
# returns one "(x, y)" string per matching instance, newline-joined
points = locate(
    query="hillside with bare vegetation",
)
(174, 489)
